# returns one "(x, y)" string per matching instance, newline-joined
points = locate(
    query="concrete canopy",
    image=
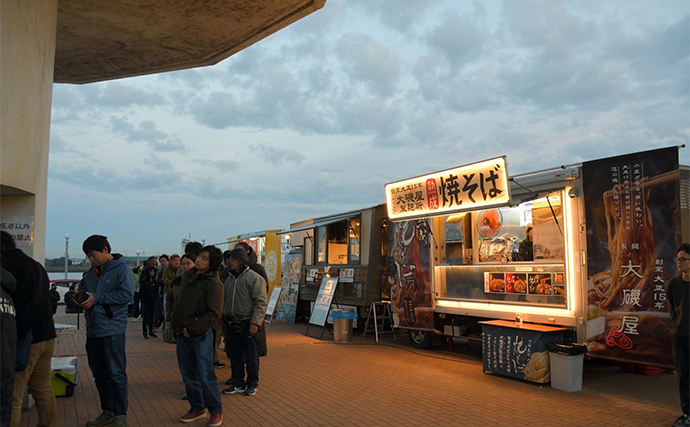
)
(108, 39)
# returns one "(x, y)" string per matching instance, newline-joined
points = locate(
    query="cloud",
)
(275, 155)
(146, 131)
(370, 62)
(458, 37)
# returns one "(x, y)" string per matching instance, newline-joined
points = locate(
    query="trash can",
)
(342, 324)
(566, 365)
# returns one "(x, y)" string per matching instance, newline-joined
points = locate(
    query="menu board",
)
(525, 283)
(273, 300)
(324, 298)
(518, 351)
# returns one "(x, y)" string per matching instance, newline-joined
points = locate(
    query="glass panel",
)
(354, 240)
(337, 243)
(532, 231)
(453, 232)
(321, 244)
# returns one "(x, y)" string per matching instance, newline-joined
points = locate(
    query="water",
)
(61, 275)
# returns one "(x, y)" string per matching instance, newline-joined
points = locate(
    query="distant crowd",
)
(197, 301)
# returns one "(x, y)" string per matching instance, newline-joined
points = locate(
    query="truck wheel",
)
(420, 339)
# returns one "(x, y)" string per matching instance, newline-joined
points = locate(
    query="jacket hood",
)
(147, 270)
(7, 281)
(253, 258)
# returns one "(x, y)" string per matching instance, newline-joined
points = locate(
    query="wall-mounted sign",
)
(20, 228)
(465, 188)
(346, 275)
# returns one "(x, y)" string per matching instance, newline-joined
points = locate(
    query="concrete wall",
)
(27, 56)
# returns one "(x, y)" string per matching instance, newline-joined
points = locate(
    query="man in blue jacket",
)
(109, 288)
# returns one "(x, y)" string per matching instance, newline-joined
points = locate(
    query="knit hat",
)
(240, 255)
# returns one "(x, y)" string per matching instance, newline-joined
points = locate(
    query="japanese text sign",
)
(20, 228)
(465, 188)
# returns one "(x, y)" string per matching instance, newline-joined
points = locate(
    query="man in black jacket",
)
(31, 300)
(8, 342)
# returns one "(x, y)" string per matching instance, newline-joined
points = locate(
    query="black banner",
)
(633, 228)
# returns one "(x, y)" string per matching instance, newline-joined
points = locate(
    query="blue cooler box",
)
(64, 376)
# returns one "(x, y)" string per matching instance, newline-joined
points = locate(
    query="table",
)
(66, 329)
(518, 351)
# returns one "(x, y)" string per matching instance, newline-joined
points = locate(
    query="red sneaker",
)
(215, 420)
(193, 415)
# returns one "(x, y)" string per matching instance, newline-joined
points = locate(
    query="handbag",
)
(169, 336)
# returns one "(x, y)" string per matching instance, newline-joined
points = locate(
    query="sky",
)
(315, 119)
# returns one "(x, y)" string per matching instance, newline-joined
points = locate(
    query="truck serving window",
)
(338, 242)
(513, 254)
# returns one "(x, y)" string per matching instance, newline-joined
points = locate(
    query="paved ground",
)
(308, 382)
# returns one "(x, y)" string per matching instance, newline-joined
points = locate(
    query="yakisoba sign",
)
(465, 188)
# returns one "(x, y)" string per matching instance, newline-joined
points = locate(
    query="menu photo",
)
(539, 283)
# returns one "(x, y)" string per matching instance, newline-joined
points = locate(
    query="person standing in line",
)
(198, 307)
(31, 294)
(136, 313)
(186, 262)
(148, 294)
(109, 287)
(243, 312)
(8, 343)
(54, 296)
(679, 306)
(262, 346)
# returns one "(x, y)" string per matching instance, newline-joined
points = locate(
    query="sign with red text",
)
(465, 188)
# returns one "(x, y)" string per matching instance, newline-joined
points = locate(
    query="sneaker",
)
(144, 336)
(152, 335)
(134, 319)
(119, 422)
(101, 420)
(251, 391)
(193, 415)
(682, 421)
(184, 396)
(215, 420)
(218, 364)
(234, 390)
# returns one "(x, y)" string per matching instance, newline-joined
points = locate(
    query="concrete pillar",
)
(27, 57)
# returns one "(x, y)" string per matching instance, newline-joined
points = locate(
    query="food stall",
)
(602, 238)
(268, 246)
(351, 246)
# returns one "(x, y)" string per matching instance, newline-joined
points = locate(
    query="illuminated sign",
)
(465, 188)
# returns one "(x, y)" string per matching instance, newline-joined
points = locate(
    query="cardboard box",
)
(64, 376)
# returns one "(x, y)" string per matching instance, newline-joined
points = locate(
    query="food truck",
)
(352, 246)
(268, 246)
(586, 247)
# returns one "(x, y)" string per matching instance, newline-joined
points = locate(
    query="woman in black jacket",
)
(148, 293)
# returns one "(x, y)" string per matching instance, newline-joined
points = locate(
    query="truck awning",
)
(322, 222)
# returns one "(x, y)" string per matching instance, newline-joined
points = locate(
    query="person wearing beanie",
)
(243, 311)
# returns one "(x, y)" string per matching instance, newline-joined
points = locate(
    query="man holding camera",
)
(109, 287)
(243, 311)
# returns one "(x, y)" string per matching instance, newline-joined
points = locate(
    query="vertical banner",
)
(272, 261)
(290, 279)
(410, 275)
(633, 228)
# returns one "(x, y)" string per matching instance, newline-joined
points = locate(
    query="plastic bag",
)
(338, 313)
(567, 349)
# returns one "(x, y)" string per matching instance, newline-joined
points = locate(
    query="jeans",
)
(37, 377)
(241, 350)
(195, 359)
(137, 305)
(681, 355)
(108, 363)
